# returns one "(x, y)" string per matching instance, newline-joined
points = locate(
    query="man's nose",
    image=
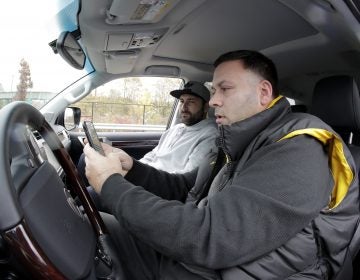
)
(215, 100)
(185, 105)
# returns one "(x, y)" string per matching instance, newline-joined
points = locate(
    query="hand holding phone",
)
(92, 137)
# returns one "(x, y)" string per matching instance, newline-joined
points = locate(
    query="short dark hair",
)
(256, 62)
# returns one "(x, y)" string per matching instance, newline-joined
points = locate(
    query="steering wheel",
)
(39, 220)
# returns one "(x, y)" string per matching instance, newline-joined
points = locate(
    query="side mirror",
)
(70, 50)
(70, 118)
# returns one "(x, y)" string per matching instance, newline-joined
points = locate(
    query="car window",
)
(130, 104)
(30, 70)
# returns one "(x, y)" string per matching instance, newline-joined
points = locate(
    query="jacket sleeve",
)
(278, 191)
(166, 185)
(204, 148)
(150, 156)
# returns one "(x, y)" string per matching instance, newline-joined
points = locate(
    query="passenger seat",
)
(336, 101)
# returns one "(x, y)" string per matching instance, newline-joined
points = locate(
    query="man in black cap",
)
(183, 146)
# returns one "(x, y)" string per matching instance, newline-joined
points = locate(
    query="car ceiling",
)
(307, 39)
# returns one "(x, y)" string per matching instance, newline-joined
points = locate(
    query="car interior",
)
(315, 45)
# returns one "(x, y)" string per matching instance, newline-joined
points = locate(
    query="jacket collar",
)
(235, 138)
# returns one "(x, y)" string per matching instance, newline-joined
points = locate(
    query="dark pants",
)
(138, 260)
(141, 262)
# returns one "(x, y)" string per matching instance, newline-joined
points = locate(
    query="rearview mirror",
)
(70, 50)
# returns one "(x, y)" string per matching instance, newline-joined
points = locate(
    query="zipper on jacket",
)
(219, 164)
(221, 145)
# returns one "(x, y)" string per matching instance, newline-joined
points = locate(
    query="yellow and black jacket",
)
(283, 203)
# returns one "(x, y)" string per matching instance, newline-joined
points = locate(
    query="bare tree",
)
(25, 81)
(132, 88)
(162, 95)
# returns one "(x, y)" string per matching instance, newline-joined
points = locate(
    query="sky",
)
(24, 31)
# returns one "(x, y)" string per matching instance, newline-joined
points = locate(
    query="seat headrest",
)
(298, 108)
(336, 101)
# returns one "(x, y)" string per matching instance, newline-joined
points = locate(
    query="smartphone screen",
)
(92, 137)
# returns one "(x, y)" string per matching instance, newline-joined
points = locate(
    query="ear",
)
(265, 90)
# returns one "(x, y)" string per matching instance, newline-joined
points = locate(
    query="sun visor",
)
(119, 62)
(138, 11)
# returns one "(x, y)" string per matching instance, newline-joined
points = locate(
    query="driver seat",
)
(336, 101)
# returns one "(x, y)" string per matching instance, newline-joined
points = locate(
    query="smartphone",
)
(92, 137)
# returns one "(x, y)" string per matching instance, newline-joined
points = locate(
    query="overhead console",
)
(138, 11)
(133, 40)
(118, 33)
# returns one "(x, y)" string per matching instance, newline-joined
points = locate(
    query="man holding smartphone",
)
(280, 201)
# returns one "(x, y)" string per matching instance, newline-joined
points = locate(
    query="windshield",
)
(29, 68)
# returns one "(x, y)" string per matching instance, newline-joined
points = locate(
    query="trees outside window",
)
(25, 82)
(131, 104)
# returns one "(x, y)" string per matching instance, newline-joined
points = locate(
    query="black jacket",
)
(266, 213)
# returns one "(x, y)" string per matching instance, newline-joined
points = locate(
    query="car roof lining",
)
(185, 45)
(317, 36)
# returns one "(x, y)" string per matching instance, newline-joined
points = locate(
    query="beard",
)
(189, 118)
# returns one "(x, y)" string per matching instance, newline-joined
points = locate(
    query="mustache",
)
(218, 112)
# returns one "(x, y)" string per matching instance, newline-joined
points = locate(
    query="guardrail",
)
(128, 127)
